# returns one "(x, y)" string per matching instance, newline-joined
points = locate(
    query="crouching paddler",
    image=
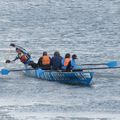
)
(23, 56)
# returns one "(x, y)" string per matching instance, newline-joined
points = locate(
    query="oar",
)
(109, 64)
(6, 71)
(96, 68)
(16, 46)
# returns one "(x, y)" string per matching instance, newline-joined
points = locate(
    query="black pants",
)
(45, 67)
(69, 67)
(33, 65)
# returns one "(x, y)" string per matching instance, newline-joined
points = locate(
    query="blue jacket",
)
(56, 62)
(62, 62)
(74, 65)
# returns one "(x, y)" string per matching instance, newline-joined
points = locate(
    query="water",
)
(89, 29)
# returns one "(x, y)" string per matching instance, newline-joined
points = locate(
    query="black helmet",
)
(44, 53)
(56, 53)
(67, 55)
(74, 56)
(18, 49)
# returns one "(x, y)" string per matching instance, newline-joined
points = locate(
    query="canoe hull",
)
(75, 78)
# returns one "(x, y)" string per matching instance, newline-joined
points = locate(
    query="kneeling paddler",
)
(44, 61)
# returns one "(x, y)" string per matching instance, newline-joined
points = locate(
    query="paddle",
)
(6, 71)
(109, 64)
(97, 68)
(16, 46)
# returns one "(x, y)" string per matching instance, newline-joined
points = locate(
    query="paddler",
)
(44, 61)
(56, 61)
(73, 62)
(66, 62)
(23, 56)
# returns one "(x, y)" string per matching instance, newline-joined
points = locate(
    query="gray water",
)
(90, 29)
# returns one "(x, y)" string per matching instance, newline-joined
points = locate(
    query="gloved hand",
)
(7, 61)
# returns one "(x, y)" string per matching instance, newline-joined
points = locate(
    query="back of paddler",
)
(44, 61)
(66, 62)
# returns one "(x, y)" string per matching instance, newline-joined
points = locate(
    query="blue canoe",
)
(75, 78)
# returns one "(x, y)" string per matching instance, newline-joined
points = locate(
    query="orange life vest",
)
(45, 60)
(66, 62)
(23, 57)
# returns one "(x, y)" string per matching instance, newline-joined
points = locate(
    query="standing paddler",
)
(23, 56)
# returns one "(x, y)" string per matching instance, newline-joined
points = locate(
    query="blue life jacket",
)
(74, 65)
(62, 62)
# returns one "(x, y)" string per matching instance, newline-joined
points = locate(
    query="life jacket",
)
(45, 60)
(23, 57)
(66, 61)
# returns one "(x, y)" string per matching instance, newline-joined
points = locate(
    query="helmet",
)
(74, 56)
(18, 50)
(56, 53)
(67, 55)
(44, 53)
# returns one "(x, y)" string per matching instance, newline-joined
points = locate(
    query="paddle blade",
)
(4, 72)
(12, 44)
(112, 64)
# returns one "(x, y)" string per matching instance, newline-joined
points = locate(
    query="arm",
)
(15, 58)
(62, 61)
(10, 61)
(16, 46)
(40, 62)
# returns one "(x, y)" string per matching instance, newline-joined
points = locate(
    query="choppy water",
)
(88, 28)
